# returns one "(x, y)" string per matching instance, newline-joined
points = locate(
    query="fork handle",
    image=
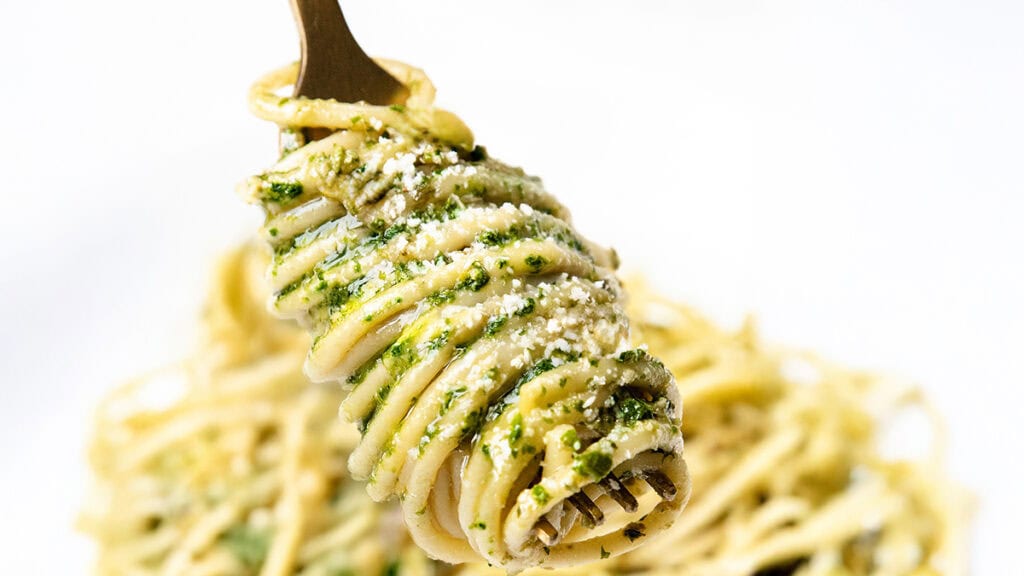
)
(333, 65)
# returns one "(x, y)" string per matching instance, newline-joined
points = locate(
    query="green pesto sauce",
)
(571, 440)
(382, 234)
(495, 238)
(443, 296)
(336, 296)
(632, 355)
(536, 262)
(475, 279)
(360, 374)
(532, 229)
(536, 370)
(392, 569)
(594, 464)
(247, 544)
(516, 432)
(450, 396)
(401, 356)
(494, 325)
(306, 238)
(440, 341)
(540, 495)
(429, 434)
(632, 410)
(282, 192)
(527, 308)
(471, 425)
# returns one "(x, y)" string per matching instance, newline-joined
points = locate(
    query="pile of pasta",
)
(233, 463)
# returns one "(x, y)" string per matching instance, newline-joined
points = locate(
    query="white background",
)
(849, 171)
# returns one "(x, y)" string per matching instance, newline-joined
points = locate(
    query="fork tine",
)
(547, 533)
(622, 496)
(592, 514)
(660, 484)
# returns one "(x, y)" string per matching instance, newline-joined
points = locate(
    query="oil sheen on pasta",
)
(481, 340)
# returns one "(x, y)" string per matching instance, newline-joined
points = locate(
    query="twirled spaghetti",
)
(482, 341)
(233, 464)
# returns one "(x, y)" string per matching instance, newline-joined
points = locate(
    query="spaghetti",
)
(482, 341)
(233, 464)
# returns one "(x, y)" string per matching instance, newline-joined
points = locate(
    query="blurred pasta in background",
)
(233, 463)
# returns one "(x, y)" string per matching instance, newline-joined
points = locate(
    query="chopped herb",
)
(282, 192)
(594, 464)
(401, 356)
(571, 440)
(527, 308)
(494, 325)
(493, 238)
(604, 553)
(632, 355)
(443, 296)
(440, 341)
(631, 410)
(540, 495)
(395, 230)
(536, 262)
(428, 435)
(471, 425)
(247, 544)
(450, 397)
(397, 107)
(273, 232)
(453, 207)
(478, 525)
(288, 289)
(517, 429)
(536, 370)
(475, 279)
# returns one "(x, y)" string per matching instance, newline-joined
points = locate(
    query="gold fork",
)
(333, 65)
